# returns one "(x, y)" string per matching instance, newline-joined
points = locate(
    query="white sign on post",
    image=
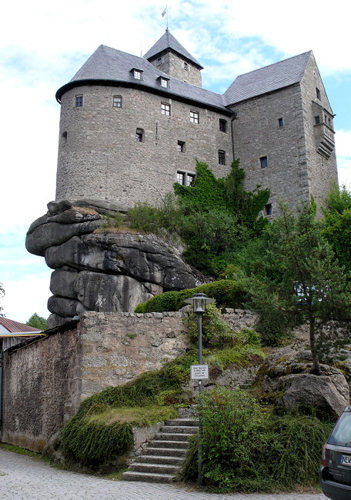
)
(199, 372)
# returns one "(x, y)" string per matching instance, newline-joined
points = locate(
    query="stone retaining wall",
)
(45, 381)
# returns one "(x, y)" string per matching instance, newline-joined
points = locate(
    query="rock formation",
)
(99, 268)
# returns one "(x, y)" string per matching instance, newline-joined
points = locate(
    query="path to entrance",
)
(26, 478)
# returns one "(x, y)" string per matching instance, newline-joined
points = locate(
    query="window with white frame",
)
(139, 135)
(181, 146)
(117, 101)
(194, 116)
(164, 82)
(165, 109)
(185, 178)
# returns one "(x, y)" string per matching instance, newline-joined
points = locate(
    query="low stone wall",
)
(44, 382)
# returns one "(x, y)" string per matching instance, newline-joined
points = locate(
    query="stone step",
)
(159, 459)
(154, 468)
(147, 477)
(180, 429)
(183, 421)
(175, 436)
(156, 443)
(166, 452)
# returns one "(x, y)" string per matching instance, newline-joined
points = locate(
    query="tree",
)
(337, 224)
(303, 280)
(37, 321)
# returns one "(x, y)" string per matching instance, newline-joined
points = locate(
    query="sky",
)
(43, 44)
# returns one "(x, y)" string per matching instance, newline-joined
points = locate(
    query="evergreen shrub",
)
(227, 293)
(247, 449)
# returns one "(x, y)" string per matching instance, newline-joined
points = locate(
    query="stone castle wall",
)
(176, 66)
(45, 381)
(322, 171)
(100, 159)
(257, 133)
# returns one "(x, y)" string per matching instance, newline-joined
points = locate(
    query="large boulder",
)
(285, 379)
(98, 267)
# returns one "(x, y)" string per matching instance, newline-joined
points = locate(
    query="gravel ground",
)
(26, 478)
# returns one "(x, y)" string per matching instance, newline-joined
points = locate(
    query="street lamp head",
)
(199, 302)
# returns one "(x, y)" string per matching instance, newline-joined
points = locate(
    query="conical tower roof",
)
(168, 42)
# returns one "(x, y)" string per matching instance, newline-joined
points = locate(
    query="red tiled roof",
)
(16, 327)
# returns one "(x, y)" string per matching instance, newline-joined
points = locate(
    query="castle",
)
(132, 126)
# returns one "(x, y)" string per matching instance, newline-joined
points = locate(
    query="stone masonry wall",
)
(41, 389)
(322, 172)
(44, 382)
(178, 67)
(99, 158)
(257, 134)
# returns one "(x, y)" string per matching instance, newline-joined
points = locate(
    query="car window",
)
(341, 434)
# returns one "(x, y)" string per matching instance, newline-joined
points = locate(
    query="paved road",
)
(26, 478)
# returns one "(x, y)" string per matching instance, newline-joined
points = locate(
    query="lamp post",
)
(199, 302)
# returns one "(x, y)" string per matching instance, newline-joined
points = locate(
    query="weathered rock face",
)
(100, 270)
(285, 379)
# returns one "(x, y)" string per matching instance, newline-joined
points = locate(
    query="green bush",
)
(227, 293)
(246, 449)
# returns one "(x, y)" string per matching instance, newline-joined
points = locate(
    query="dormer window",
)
(137, 73)
(163, 82)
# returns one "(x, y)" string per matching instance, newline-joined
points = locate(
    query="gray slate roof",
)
(267, 79)
(114, 67)
(167, 41)
(111, 65)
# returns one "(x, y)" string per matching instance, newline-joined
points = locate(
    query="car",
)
(335, 473)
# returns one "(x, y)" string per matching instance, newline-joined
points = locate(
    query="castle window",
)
(280, 122)
(185, 179)
(139, 135)
(137, 73)
(164, 82)
(222, 125)
(264, 161)
(186, 66)
(117, 101)
(190, 179)
(64, 135)
(181, 178)
(165, 109)
(317, 120)
(181, 146)
(159, 61)
(268, 209)
(79, 101)
(318, 93)
(221, 157)
(194, 116)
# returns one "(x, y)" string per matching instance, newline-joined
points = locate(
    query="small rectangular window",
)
(264, 161)
(221, 157)
(117, 101)
(223, 125)
(139, 135)
(181, 178)
(280, 122)
(186, 66)
(137, 74)
(194, 116)
(317, 120)
(268, 209)
(190, 179)
(79, 101)
(165, 109)
(318, 93)
(181, 146)
(164, 82)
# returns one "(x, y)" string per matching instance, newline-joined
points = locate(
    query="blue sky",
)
(42, 45)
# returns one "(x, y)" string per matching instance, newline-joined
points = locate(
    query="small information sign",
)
(199, 372)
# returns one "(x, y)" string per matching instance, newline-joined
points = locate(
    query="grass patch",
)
(137, 417)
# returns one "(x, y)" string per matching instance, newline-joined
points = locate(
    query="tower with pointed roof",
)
(132, 126)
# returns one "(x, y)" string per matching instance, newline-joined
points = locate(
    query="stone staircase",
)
(163, 456)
